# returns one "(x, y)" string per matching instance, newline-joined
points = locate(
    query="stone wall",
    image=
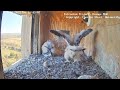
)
(104, 46)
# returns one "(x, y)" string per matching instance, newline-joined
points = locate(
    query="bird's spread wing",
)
(62, 34)
(79, 36)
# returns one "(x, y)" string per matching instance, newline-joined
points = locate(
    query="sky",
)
(11, 22)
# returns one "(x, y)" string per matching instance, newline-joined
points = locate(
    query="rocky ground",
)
(42, 67)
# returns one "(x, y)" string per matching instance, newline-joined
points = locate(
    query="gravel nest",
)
(42, 67)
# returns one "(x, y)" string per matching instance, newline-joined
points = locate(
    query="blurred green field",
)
(10, 49)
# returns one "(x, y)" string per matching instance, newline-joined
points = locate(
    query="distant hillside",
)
(10, 35)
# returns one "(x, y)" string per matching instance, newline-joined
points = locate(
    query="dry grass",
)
(10, 48)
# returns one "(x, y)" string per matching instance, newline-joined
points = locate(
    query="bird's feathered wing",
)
(62, 34)
(79, 36)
